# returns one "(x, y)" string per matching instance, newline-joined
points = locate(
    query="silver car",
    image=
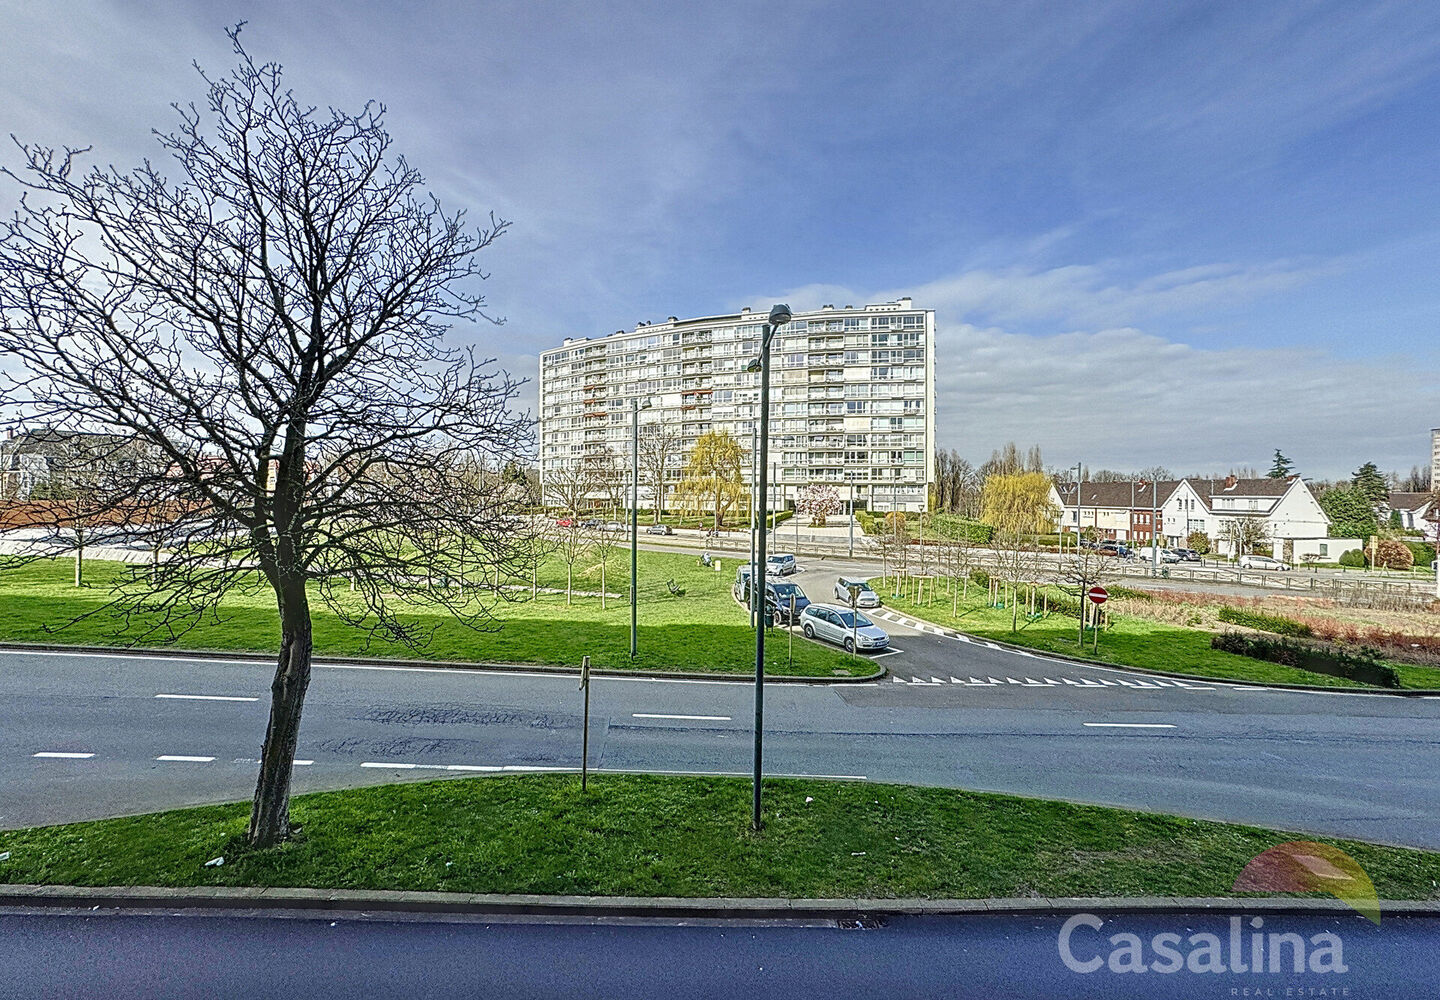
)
(865, 598)
(844, 627)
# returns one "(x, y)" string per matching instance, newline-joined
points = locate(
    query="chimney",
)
(744, 310)
(1230, 482)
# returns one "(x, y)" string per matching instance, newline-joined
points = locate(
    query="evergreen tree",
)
(1371, 484)
(1281, 466)
(1350, 511)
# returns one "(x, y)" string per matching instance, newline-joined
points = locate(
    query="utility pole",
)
(852, 523)
(1079, 564)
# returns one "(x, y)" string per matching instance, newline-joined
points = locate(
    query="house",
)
(29, 458)
(1293, 520)
(1122, 511)
(1412, 508)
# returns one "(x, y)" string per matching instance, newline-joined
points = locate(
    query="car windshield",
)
(787, 590)
(860, 621)
(860, 585)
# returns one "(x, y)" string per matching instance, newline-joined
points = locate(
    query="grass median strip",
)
(647, 835)
(702, 629)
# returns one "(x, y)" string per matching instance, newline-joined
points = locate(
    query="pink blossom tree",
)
(819, 501)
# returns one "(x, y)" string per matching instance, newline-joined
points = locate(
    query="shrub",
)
(1393, 554)
(1353, 557)
(1199, 541)
(979, 577)
(1423, 553)
(1364, 666)
(1278, 624)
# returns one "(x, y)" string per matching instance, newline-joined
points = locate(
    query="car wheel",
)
(849, 645)
(809, 632)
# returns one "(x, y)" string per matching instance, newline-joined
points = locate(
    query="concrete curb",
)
(483, 904)
(1277, 685)
(383, 661)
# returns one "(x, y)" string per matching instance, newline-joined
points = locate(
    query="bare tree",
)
(607, 478)
(1244, 535)
(571, 485)
(660, 452)
(271, 324)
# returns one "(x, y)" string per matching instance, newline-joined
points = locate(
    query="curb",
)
(484, 904)
(1277, 685)
(383, 661)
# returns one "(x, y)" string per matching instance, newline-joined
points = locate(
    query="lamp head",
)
(753, 365)
(779, 314)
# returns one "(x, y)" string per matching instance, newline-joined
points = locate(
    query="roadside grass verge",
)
(1129, 641)
(680, 836)
(704, 630)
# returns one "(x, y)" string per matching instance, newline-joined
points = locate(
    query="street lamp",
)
(779, 316)
(635, 407)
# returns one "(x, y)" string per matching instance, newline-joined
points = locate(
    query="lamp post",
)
(779, 316)
(1079, 560)
(635, 407)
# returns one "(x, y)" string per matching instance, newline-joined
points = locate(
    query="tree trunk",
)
(270, 814)
(602, 582)
(79, 561)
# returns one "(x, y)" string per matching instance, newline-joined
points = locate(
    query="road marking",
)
(1128, 725)
(206, 697)
(302, 763)
(897, 680)
(64, 756)
(688, 718)
(376, 763)
(185, 760)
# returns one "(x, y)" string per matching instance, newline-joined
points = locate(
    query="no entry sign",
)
(1098, 594)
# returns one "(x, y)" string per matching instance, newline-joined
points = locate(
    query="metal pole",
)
(585, 737)
(1079, 564)
(1154, 544)
(754, 478)
(634, 521)
(764, 431)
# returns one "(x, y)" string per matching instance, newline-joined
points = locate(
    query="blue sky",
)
(1154, 233)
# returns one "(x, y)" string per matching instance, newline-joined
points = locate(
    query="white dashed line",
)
(686, 718)
(1128, 725)
(60, 755)
(206, 697)
(178, 758)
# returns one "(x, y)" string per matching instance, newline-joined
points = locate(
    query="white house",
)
(1412, 508)
(1293, 519)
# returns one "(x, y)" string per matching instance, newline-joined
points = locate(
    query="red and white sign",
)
(1098, 594)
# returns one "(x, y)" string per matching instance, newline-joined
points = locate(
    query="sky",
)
(1176, 234)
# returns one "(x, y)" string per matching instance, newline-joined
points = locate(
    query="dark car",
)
(1114, 549)
(779, 595)
(659, 529)
(590, 523)
(1187, 555)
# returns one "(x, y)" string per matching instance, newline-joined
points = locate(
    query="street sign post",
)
(1098, 595)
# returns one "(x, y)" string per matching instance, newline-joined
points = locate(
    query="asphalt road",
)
(115, 957)
(85, 736)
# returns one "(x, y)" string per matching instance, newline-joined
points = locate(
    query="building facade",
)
(1294, 523)
(852, 398)
(1435, 458)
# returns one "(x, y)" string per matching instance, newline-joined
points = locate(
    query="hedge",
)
(1278, 624)
(1353, 558)
(1364, 667)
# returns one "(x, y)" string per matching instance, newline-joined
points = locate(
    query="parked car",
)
(659, 529)
(779, 595)
(563, 522)
(1164, 555)
(614, 526)
(1262, 562)
(781, 564)
(1114, 549)
(1187, 555)
(590, 523)
(866, 598)
(740, 589)
(848, 629)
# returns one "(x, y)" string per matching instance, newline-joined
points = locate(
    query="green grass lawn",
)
(1128, 642)
(673, 836)
(704, 630)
